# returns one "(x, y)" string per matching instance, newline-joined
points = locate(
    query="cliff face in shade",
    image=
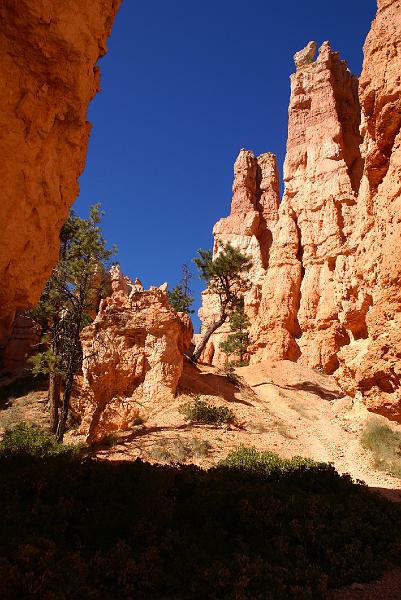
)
(249, 227)
(133, 357)
(49, 52)
(298, 317)
(370, 367)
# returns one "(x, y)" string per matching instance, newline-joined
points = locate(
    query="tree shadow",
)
(194, 381)
(316, 389)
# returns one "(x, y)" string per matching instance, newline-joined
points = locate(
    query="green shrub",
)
(266, 462)
(31, 440)
(179, 450)
(385, 444)
(200, 411)
(262, 528)
(199, 448)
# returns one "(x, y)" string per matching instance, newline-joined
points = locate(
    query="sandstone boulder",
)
(133, 359)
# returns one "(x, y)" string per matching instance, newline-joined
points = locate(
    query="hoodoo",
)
(326, 276)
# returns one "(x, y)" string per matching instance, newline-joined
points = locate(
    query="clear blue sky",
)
(185, 85)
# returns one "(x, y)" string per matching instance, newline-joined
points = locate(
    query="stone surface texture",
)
(329, 295)
(298, 315)
(133, 357)
(370, 367)
(49, 52)
(254, 212)
(25, 335)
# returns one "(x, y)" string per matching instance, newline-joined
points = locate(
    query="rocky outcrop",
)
(370, 366)
(254, 212)
(298, 315)
(49, 52)
(25, 337)
(133, 357)
(330, 294)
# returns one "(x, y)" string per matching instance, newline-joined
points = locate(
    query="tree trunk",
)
(64, 409)
(205, 338)
(54, 400)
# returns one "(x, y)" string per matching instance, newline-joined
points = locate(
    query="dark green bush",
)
(256, 528)
(200, 411)
(31, 440)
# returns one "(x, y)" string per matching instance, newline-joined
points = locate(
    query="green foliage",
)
(200, 411)
(179, 450)
(70, 295)
(237, 342)
(268, 463)
(30, 440)
(180, 297)
(258, 529)
(224, 275)
(385, 444)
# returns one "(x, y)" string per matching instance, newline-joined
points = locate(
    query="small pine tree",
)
(225, 275)
(180, 297)
(237, 342)
(65, 308)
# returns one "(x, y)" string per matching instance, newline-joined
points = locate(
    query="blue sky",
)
(185, 85)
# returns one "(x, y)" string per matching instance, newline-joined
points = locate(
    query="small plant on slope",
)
(200, 411)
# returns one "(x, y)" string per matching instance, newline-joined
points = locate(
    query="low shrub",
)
(256, 527)
(179, 450)
(30, 440)
(200, 411)
(385, 444)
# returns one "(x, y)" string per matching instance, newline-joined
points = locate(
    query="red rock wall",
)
(254, 212)
(298, 316)
(133, 357)
(331, 295)
(370, 366)
(49, 52)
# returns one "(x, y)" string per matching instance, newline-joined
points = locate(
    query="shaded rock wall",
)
(49, 52)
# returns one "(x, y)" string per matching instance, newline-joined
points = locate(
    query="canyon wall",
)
(328, 286)
(370, 299)
(49, 52)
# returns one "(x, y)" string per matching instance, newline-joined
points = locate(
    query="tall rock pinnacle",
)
(254, 211)
(298, 312)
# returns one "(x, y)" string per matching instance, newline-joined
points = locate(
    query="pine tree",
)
(180, 297)
(237, 342)
(225, 277)
(65, 306)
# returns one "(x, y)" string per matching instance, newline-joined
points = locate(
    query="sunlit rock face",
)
(49, 52)
(254, 212)
(133, 357)
(371, 299)
(298, 314)
(328, 294)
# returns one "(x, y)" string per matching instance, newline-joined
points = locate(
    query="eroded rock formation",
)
(298, 316)
(330, 296)
(49, 52)
(133, 357)
(254, 211)
(370, 366)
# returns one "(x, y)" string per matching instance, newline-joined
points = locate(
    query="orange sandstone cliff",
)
(48, 71)
(327, 291)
